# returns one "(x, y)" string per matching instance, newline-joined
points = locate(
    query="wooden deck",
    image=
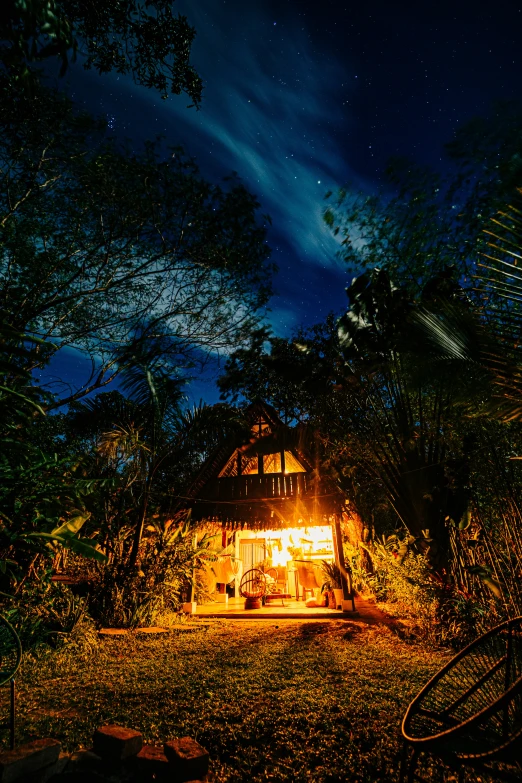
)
(293, 610)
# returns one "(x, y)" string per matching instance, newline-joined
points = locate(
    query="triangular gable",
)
(230, 486)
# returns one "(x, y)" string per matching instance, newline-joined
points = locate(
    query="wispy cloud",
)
(284, 320)
(272, 112)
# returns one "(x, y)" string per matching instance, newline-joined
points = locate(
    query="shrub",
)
(120, 596)
(360, 564)
(403, 578)
(50, 615)
(406, 582)
(462, 618)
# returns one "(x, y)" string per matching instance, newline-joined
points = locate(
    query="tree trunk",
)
(139, 528)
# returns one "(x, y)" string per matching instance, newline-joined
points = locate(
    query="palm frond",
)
(147, 379)
(452, 333)
(503, 259)
(125, 441)
(500, 285)
(104, 412)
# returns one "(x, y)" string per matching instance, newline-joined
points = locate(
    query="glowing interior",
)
(294, 543)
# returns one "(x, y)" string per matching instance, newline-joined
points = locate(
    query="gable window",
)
(231, 468)
(292, 464)
(272, 463)
(261, 427)
(249, 465)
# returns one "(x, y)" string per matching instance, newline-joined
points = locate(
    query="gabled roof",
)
(261, 408)
(263, 499)
(221, 455)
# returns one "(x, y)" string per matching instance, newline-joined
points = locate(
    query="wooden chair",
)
(282, 581)
(307, 575)
(470, 713)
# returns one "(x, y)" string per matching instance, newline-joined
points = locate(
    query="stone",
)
(21, 762)
(85, 760)
(115, 743)
(50, 772)
(188, 759)
(153, 629)
(151, 762)
(113, 632)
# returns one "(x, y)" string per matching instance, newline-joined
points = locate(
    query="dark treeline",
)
(131, 258)
(410, 399)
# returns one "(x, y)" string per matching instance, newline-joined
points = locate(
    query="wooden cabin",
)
(274, 510)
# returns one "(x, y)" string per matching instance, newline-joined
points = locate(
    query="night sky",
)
(303, 97)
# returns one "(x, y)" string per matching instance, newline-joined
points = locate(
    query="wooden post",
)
(334, 542)
(237, 540)
(12, 714)
(193, 586)
(346, 579)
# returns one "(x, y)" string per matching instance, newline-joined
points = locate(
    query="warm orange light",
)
(282, 544)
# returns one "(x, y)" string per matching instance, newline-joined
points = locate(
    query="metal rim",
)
(16, 647)
(454, 731)
(253, 584)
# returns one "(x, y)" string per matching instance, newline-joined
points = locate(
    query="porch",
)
(292, 609)
(365, 611)
(263, 561)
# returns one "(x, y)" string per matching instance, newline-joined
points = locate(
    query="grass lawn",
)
(285, 701)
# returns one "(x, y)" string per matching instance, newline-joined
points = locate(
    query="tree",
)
(101, 246)
(413, 234)
(144, 39)
(385, 422)
(148, 444)
(42, 498)
(423, 221)
(484, 342)
(278, 370)
(485, 338)
(488, 152)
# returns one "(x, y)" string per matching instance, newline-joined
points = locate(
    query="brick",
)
(115, 743)
(151, 762)
(21, 762)
(189, 761)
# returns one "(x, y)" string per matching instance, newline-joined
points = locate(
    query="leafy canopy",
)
(144, 39)
(102, 246)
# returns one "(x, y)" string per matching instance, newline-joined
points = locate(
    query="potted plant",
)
(326, 590)
(333, 584)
